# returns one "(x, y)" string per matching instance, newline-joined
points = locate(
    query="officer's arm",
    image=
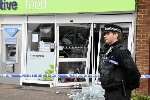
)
(127, 62)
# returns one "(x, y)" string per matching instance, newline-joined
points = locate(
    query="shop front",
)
(57, 41)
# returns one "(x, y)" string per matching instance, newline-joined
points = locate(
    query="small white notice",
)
(34, 37)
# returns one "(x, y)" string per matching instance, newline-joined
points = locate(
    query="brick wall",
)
(143, 42)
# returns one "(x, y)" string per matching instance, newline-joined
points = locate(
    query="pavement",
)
(16, 92)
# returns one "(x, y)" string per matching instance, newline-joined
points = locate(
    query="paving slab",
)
(16, 92)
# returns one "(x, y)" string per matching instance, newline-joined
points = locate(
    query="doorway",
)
(74, 43)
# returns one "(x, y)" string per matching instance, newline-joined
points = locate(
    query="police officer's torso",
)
(111, 72)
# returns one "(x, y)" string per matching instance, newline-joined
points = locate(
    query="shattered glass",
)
(92, 92)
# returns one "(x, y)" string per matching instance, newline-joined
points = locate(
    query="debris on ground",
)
(91, 92)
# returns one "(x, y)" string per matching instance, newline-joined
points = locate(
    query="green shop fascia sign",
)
(5, 5)
(25, 7)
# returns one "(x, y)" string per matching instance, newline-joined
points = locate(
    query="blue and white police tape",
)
(74, 75)
(146, 76)
(51, 75)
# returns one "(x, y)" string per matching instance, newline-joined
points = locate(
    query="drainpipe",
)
(149, 68)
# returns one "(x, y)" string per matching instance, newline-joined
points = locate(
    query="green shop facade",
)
(58, 36)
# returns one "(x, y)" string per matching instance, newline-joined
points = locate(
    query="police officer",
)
(115, 64)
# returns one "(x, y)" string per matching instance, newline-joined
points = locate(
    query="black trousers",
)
(118, 94)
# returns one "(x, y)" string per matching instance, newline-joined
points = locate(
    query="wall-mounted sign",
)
(10, 35)
(65, 6)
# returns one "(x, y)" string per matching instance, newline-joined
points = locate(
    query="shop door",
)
(40, 50)
(73, 53)
(128, 37)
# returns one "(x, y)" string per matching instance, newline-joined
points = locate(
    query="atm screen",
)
(13, 53)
